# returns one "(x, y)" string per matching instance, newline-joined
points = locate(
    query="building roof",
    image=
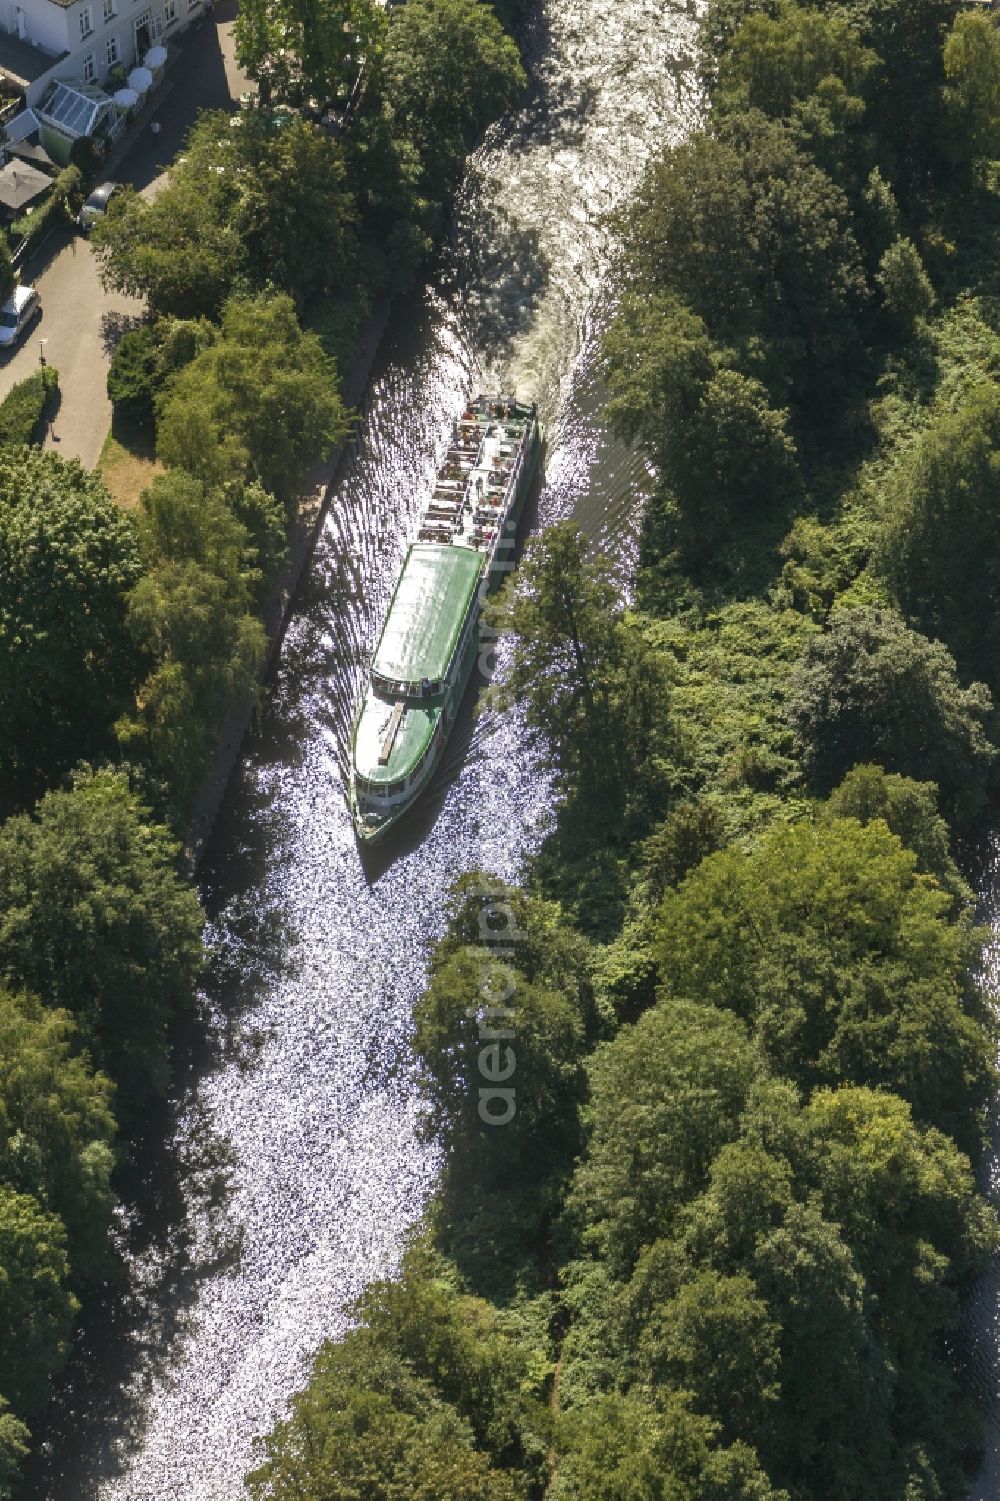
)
(427, 612)
(20, 127)
(74, 108)
(20, 182)
(29, 152)
(23, 61)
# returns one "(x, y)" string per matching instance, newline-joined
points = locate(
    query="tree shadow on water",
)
(505, 273)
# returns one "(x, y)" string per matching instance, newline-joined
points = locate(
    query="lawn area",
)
(127, 464)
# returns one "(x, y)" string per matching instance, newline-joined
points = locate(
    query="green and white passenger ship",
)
(430, 638)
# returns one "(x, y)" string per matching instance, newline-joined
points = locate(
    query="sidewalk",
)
(201, 73)
(79, 318)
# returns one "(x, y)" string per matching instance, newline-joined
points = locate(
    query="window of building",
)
(90, 69)
(86, 21)
(110, 10)
(114, 51)
(170, 12)
(157, 27)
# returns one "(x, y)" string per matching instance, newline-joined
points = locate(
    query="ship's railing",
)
(394, 689)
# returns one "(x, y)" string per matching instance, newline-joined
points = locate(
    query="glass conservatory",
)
(67, 111)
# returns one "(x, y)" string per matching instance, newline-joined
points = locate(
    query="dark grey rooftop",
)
(23, 61)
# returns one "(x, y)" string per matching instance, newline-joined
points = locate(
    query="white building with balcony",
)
(92, 42)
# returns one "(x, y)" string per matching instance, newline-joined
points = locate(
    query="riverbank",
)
(132, 636)
(710, 1082)
(320, 958)
(305, 530)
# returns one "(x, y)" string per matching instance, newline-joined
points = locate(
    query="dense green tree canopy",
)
(910, 809)
(287, 194)
(180, 522)
(134, 376)
(804, 1299)
(972, 92)
(13, 1448)
(260, 400)
(245, 205)
(449, 70)
(366, 1426)
(872, 690)
(36, 1307)
(56, 1126)
(630, 1448)
(745, 229)
(717, 1339)
(96, 919)
(834, 1436)
(906, 287)
(844, 962)
(722, 451)
(773, 61)
(461, 1345)
(208, 651)
(940, 542)
(297, 51)
(182, 252)
(532, 1042)
(509, 996)
(665, 1096)
(906, 1202)
(68, 557)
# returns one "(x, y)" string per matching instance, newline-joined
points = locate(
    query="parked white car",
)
(16, 313)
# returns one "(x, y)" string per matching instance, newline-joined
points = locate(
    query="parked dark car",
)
(96, 205)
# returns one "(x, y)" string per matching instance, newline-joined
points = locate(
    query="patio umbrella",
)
(20, 182)
(126, 98)
(140, 79)
(155, 57)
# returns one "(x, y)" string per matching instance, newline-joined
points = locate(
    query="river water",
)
(292, 1164)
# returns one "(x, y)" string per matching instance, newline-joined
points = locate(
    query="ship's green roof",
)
(415, 732)
(427, 612)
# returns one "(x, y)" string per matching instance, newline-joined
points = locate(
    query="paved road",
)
(80, 321)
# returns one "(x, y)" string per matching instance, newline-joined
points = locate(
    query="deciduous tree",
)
(939, 545)
(56, 1126)
(843, 960)
(666, 1094)
(595, 694)
(748, 232)
(972, 91)
(910, 809)
(872, 690)
(95, 918)
(36, 1306)
(367, 1426)
(774, 61)
(644, 1448)
(299, 51)
(449, 70)
(261, 400)
(68, 557)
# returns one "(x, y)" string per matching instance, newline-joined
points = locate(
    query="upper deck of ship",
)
(477, 483)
